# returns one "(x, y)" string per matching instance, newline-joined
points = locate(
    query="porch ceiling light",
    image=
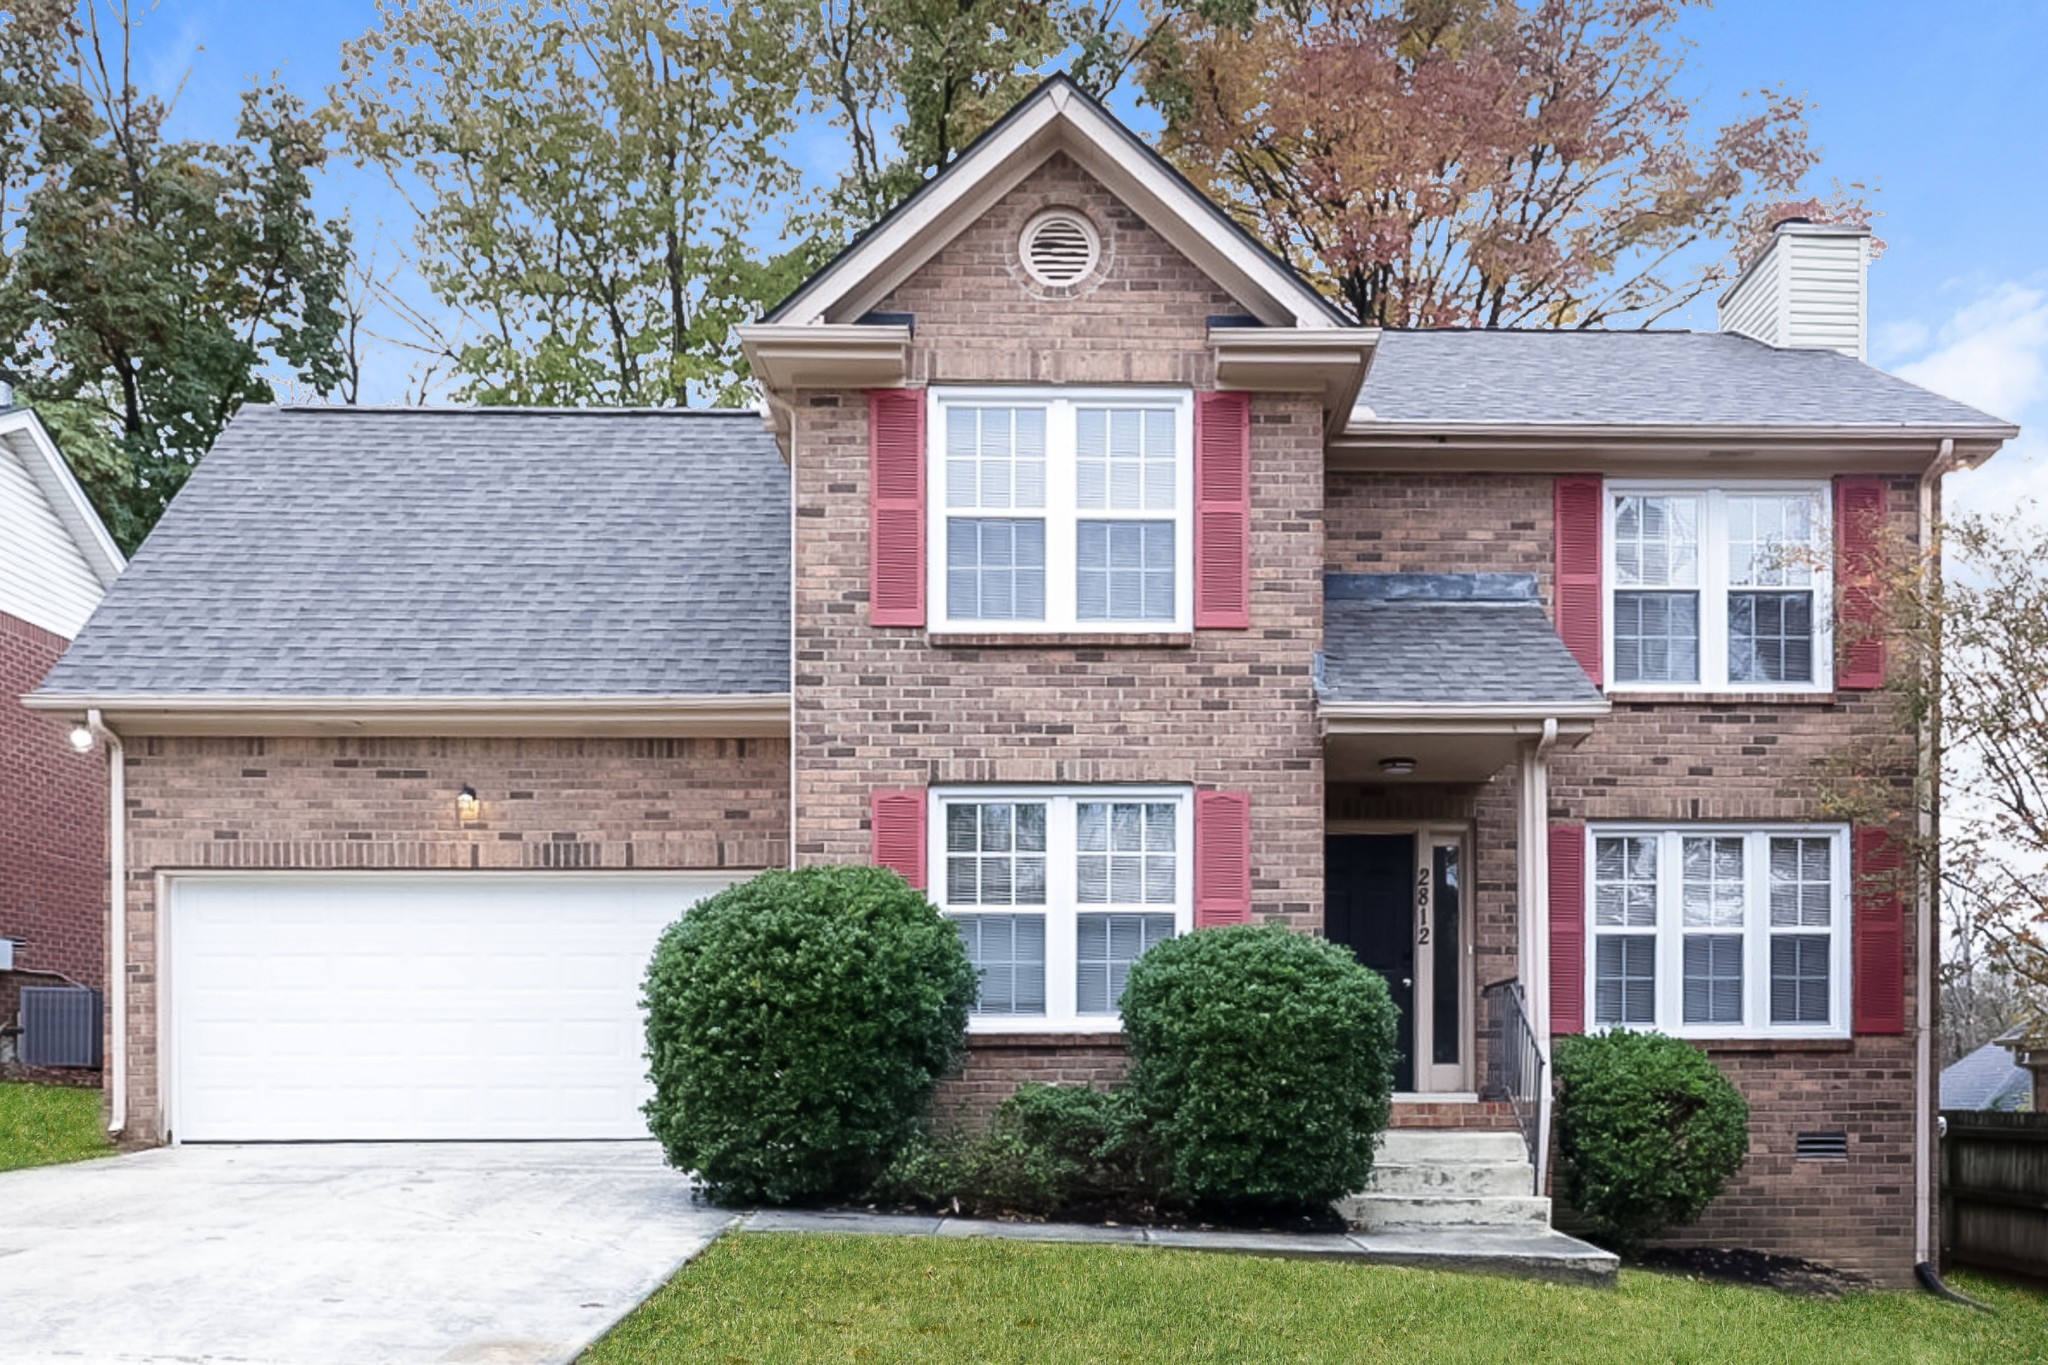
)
(1397, 767)
(466, 805)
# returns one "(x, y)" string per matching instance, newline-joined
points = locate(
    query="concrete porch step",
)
(1381, 1212)
(1437, 1146)
(1451, 1178)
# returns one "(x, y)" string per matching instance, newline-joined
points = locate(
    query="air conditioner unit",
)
(60, 1026)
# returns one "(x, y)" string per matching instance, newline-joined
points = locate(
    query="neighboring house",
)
(1988, 1078)
(56, 562)
(1094, 574)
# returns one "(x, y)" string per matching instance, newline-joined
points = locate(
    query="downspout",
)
(1928, 901)
(117, 936)
(1536, 802)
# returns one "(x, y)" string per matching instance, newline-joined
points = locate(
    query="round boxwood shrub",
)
(1263, 1062)
(1648, 1131)
(796, 1025)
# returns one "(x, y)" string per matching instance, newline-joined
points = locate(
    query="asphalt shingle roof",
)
(335, 552)
(1986, 1079)
(1443, 639)
(1635, 378)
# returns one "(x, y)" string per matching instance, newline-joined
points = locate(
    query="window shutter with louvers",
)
(895, 507)
(1567, 928)
(1878, 932)
(1580, 609)
(1859, 530)
(1223, 858)
(1223, 511)
(896, 817)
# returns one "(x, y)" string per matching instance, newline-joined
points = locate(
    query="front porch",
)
(1443, 698)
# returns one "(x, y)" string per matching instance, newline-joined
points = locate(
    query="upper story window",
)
(1061, 510)
(1714, 932)
(1056, 891)
(1722, 587)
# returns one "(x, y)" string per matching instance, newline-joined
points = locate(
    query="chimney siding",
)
(1809, 289)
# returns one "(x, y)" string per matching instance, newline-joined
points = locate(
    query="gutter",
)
(117, 936)
(1928, 903)
(764, 714)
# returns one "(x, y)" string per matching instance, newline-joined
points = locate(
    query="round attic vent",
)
(1059, 247)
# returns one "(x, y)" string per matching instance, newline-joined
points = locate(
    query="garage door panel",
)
(461, 1007)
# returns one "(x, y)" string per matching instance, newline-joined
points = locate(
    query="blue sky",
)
(1943, 109)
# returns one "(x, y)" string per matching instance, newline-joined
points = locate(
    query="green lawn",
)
(786, 1297)
(42, 1125)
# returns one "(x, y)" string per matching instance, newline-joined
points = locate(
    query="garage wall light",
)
(81, 738)
(1397, 767)
(467, 807)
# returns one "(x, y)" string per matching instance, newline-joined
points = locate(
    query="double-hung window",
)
(1716, 932)
(1056, 891)
(1720, 587)
(1058, 510)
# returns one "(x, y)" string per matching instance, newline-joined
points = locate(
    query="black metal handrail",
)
(1516, 1073)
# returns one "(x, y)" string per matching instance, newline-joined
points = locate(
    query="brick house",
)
(56, 562)
(1093, 573)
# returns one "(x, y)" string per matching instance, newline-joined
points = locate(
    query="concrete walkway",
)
(359, 1253)
(1537, 1254)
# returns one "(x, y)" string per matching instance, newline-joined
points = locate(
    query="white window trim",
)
(1061, 514)
(1713, 586)
(1756, 933)
(1061, 910)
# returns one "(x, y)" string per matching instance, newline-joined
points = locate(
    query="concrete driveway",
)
(295, 1254)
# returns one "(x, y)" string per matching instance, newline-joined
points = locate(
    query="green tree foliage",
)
(600, 188)
(1648, 1132)
(150, 286)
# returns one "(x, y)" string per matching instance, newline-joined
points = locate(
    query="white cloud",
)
(1991, 353)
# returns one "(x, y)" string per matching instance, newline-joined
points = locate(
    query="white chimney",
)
(1809, 288)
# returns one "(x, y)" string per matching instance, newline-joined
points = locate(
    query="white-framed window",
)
(1057, 510)
(1720, 587)
(1057, 891)
(1719, 932)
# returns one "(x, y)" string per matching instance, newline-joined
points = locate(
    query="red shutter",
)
(1580, 501)
(895, 507)
(896, 815)
(1859, 532)
(1223, 511)
(1878, 937)
(1223, 858)
(1567, 928)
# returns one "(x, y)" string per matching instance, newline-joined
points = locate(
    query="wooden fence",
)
(1994, 1191)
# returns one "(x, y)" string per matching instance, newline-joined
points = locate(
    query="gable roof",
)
(56, 558)
(1455, 380)
(478, 553)
(1988, 1078)
(1057, 116)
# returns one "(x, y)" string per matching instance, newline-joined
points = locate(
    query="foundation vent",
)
(1059, 247)
(1823, 1147)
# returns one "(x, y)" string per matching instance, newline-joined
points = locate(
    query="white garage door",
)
(454, 1006)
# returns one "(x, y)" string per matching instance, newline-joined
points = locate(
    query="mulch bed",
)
(1121, 1215)
(1736, 1265)
(80, 1078)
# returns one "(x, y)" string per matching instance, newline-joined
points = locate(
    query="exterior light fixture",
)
(1397, 767)
(467, 807)
(81, 737)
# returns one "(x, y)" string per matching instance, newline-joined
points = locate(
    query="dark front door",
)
(1369, 898)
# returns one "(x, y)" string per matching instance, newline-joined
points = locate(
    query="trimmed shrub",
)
(1262, 1066)
(1648, 1132)
(1049, 1149)
(796, 1026)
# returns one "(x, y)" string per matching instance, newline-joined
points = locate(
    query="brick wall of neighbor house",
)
(306, 803)
(884, 707)
(1755, 759)
(53, 821)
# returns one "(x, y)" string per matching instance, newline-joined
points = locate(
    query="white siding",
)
(1808, 289)
(44, 578)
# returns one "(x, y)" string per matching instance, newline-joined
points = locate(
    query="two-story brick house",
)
(1093, 573)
